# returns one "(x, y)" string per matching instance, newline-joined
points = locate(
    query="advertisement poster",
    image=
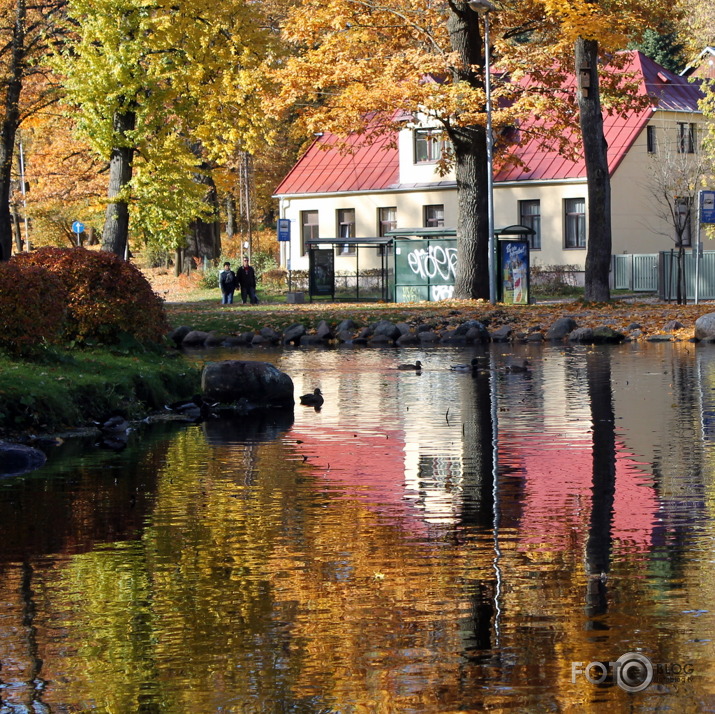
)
(514, 271)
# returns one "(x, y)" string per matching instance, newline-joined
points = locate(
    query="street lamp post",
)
(483, 8)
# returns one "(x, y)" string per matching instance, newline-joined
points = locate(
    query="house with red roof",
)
(392, 183)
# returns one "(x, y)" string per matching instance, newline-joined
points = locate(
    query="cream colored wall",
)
(636, 228)
(637, 225)
(551, 197)
(409, 206)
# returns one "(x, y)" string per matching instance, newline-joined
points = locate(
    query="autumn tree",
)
(25, 30)
(161, 91)
(367, 66)
(67, 180)
(595, 29)
(696, 23)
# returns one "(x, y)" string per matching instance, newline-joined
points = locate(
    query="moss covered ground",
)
(61, 389)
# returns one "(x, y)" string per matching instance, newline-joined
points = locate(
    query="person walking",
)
(246, 276)
(227, 283)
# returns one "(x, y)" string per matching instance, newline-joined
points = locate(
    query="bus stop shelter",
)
(367, 279)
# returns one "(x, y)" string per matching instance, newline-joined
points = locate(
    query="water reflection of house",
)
(557, 492)
(412, 466)
(551, 472)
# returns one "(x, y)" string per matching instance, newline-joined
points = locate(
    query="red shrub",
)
(32, 306)
(107, 295)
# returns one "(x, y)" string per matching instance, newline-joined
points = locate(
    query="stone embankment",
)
(385, 333)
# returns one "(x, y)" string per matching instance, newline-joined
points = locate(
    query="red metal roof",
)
(372, 164)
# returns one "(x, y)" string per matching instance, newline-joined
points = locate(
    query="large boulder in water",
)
(18, 459)
(255, 384)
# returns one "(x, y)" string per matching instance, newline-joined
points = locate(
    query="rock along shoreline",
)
(383, 332)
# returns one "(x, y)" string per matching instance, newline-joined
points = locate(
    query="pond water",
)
(433, 542)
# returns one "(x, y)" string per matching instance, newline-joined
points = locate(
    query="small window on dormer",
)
(429, 146)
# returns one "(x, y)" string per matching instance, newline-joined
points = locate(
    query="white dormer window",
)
(429, 146)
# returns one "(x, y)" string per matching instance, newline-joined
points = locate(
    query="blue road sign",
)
(78, 227)
(707, 206)
(283, 229)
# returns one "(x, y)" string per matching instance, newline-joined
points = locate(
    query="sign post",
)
(283, 230)
(78, 228)
(706, 214)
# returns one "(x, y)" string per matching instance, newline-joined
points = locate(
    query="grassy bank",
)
(65, 389)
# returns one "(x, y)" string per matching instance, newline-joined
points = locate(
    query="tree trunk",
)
(9, 124)
(230, 215)
(116, 223)
(17, 230)
(472, 272)
(470, 156)
(206, 235)
(598, 545)
(598, 255)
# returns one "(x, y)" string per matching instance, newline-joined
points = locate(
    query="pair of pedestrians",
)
(244, 278)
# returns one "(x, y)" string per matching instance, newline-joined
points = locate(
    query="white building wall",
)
(635, 224)
(638, 220)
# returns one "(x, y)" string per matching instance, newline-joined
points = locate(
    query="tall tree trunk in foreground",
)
(598, 254)
(9, 124)
(470, 157)
(116, 223)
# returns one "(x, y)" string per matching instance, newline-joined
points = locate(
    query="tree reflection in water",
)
(379, 555)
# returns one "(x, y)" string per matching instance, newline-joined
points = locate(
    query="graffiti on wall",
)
(435, 262)
(441, 292)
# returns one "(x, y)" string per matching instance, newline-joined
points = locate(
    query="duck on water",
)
(417, 366)
(315, 399)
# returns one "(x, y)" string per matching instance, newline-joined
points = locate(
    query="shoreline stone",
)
(383, 333)
(17, 459)
(251, 385)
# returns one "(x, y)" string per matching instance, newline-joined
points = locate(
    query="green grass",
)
(63, 389)
(210, 315)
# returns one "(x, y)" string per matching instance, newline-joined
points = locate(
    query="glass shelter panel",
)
(424, 269)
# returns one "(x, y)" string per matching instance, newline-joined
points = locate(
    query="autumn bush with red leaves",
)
(32, 307)
(106, 297)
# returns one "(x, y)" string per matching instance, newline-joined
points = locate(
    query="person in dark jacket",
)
(246, 276)
(227, 283)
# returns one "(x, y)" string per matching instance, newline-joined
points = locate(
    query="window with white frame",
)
(530, 215)
(386, 220)
(575, 223)
(687, 140)
(308, 228)
(345, 218)
(429, 145)
(434, 216)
